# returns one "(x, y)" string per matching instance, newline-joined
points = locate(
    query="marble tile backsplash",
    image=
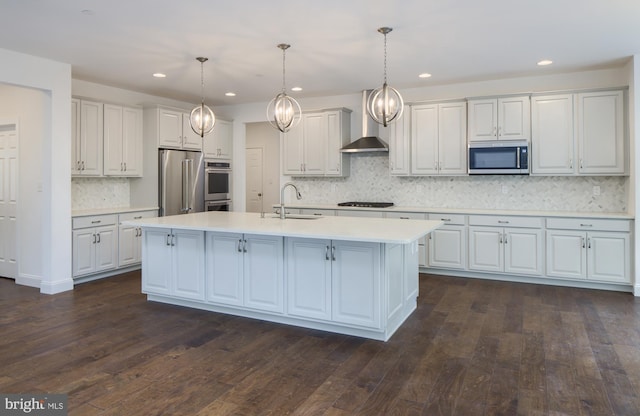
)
(370, 181)
(89, 193)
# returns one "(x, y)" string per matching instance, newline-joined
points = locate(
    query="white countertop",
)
(473, 211)
(104, 211)
(376, 230)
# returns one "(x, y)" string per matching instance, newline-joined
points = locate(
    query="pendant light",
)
(202, 118)
(283, 112)
(385, 104)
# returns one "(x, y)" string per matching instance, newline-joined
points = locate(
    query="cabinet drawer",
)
(406, 215)
(94, 221)
(588, 224)
(318, 212)
(457, 219)
(506, 221)
(359, 213)
(128, 216)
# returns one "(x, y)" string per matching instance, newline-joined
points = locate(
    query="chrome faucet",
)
(298, 195)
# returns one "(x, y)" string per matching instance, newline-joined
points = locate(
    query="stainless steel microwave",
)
(499, 158)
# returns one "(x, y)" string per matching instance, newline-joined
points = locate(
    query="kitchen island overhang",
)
(354, 276)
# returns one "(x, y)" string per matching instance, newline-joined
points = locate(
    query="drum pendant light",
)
(202, 118)
(385, 104)
(283, 112)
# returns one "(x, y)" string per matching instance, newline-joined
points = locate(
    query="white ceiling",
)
(335, 46)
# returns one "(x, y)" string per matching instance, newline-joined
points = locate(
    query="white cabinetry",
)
(506, 244)
(399, 145)
(438, 142)
(245, 270)
(313, 147)
(86, 137)
(591, 249)
(358, 213)
(422, 243)
(172, 129)
(317, 212)
(579, 133)
(219, 143)
(130, 238)
(448, 244)
(334, 280)
(506, 118)
(95, 244)
(173, 263)
(122, 141)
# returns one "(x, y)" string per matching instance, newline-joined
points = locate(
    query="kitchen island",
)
(355, 276)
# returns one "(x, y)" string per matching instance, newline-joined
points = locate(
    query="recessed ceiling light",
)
(87, 12)
(545, 62)
(424, 75)
(159, 75)
(296, 89)
(230, 94)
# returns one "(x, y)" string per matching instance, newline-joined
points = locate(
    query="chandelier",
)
(283, 112)
(202, 118)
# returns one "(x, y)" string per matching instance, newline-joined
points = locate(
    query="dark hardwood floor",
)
(472, 347)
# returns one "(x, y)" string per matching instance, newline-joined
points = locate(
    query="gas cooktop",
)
(366, 204)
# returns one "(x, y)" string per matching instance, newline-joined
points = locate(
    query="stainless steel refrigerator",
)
(180, 182)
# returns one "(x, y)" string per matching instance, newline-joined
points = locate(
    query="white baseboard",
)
(636, 289)
(28, 280)
(59, 286)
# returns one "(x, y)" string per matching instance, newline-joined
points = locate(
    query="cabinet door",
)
(333, 157)
(523, 253)
(566, 254)
(422, 243)
(447, 247)
(552, 140)
(308, 277)
(424, 139)
(128, 242)
(106, 248)
(156, 261)
(355, 288)
(169, 128)
(315, 143)
(190, 139)
(485, 249)
(263, 273)
(224, 268)
(218, 144)
(609, 257)
(292, 151)
(91, 137)
(84, 252)
(113, 140)
(75, 136)
(132, 141)
(187, 264)
(514, 118)
(600, 133)
(399, 144)
(483, 120)
(452, 139)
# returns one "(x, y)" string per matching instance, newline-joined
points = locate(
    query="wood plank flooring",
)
(473, 347)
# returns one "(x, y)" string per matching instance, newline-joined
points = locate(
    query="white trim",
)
(28, 280)
(52, 287)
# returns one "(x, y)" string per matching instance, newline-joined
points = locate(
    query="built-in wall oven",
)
(217, 185)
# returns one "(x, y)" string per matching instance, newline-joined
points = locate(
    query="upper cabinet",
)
(86, 137)
(173, 129)
(580, 133)
(219, 143)
(122, 141)
(438, 145)
(399, 145)
(312, 148)
(506, 118)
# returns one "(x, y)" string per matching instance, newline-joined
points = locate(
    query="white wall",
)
(634, 138)
(52, 256)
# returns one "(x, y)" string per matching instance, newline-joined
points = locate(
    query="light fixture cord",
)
(385, 58)
(202, 80)
(283, 73)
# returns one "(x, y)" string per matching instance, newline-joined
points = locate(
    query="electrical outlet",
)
(505, 189)
(596, 190)
(419, 188)
(333, 188)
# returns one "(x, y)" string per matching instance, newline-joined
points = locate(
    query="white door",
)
(293, 151)
(113, 150)
(608, 258)
(156, 261)
(106, 248)
(263, 272)
(128, 240)
(84, 251)
(399, 145)
(190, 139)
(224, 268)
(8, 200)
(187, 263)
(132, 141)
(483, 120)
(523, 252)
(447, 247)
(254, 191)
(514, 118)
(424, 139)
(91, 137)
(566, 254)
(452, 139)
(315, 143)
(309, 277)
(552, 138)
(169, 128)
(485, 249)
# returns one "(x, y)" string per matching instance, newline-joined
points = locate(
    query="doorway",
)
(262, 155)
(8, 200)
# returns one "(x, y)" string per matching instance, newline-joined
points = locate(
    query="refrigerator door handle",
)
(187, 165)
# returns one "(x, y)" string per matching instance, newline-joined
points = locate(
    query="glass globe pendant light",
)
(385, 104)
(202, 118)
(283, 112)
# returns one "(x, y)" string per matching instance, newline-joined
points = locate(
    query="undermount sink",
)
(298, 217)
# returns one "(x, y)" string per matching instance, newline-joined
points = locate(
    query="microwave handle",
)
(518, 158)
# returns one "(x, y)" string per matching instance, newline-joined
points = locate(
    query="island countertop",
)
(388, 230)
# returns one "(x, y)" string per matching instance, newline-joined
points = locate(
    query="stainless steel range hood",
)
(370, 142)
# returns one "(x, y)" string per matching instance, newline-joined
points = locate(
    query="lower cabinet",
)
(245, 270)
(596, 255)
(422, 243)
(448, 244)
(130, 238)
(178, 262)
(95, 244)
(334, 280)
